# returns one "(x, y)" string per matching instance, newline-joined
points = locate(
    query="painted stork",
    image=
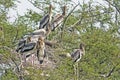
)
(46, 19)
(33, 37)
(76, 57)
(40, 33)
(22, 43)
(27, 50)
(40, 49)
(58, 19)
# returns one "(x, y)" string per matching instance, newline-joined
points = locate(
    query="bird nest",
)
(32, 61)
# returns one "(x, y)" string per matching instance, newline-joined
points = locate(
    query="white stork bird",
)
(46, 19)
(76, 56)
(58, 19)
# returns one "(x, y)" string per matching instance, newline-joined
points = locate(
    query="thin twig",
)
(110, 72)
(14, 40)
(69, 14)
(113, 5)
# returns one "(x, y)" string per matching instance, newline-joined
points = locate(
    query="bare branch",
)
(69, 14)
(114, 5)
(110, 72)
(14, 40)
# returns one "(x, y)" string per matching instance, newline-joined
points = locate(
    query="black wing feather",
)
(28, 47)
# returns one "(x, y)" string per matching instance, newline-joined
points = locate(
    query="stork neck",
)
(50, 13)
(64, 10)
(83, 50)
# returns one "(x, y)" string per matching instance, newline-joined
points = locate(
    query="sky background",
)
(24, 5)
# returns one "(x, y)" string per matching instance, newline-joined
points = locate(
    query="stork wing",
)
(75, 55)
(57, 22)
(28, 47)
(20, 44)
(44, 22)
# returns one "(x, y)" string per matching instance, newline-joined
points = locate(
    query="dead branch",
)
(50, 43)
(12, 58)
(108, 74)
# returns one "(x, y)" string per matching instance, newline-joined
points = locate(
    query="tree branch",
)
(69, 14)
(109, 74)
(113, 5)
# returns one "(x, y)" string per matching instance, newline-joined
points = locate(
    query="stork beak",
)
(52, 6)
(68, 55)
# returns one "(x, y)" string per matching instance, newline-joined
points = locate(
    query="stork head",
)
(82, 48)
(40, 39)
(50, 8)
(40, 42)
(28, 39)
(64, 9)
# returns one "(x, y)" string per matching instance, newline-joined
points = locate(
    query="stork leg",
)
(21, 62)
(24, 58)
(20, 65)
(33, 58)
(77, 72)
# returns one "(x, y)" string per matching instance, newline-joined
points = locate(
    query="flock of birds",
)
(34, 43)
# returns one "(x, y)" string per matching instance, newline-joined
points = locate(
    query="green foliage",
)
(9, 75)
(98, 29)
(64, 71)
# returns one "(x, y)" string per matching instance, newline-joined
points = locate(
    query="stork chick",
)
(40, 49)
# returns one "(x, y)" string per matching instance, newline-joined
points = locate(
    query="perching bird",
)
(22, 43)
(27, 50)
(46, 19)
(28, 47)
(78, 53)
(39, 33)
(58, 19)
(40, 49)
(76, 56)
(32, 37)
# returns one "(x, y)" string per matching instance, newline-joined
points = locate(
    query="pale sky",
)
(24, 5)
